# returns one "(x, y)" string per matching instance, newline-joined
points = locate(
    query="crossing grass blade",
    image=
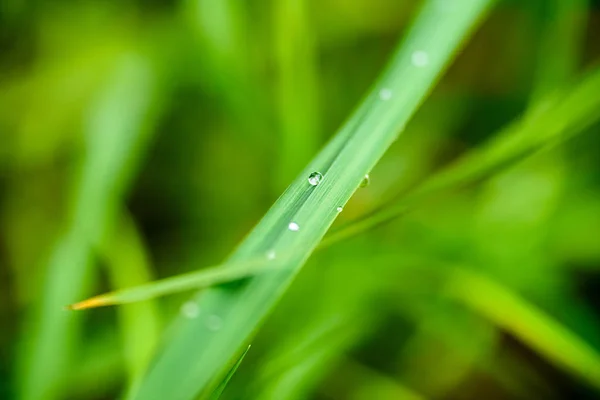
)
(511, 145)
(219, 391)
(194, 353)
(204, 278)
(559, 117)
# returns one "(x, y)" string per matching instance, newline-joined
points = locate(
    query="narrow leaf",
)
(197, 351)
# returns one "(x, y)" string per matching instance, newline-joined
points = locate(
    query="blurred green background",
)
(143, 139)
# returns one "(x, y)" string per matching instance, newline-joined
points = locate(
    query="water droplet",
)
(366, 181)
(340, 209)
(385, 94)
(293, 227)
(190, 309)
(271, 255)
(420, 58)
(214, 323)
(315, 178)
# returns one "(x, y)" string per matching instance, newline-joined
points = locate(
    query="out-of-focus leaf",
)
(116, 134)
(526, 322)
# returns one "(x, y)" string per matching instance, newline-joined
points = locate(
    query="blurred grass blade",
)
(293, 368)
(196, 351)
(297, 88)
(116, 134)
(127, 264)
(563, 25)
(539, 331)
(219, 390)
(552, 121)
(203, 278)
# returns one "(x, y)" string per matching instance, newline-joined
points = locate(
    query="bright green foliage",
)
(141, 141)
(197, 353)
(115, 133)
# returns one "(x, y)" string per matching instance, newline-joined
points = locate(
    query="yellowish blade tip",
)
(98, 301)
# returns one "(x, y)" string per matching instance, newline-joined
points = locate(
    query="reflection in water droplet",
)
(340, 209)
(214, 322)
(293, 226)
(366, 181)
(190, 309)
(271, 255)
(420, 58)
(315, 178)
(385, 94)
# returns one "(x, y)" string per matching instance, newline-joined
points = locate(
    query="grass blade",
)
(297, 88)
(219, 390)
(204, 278)
(196, 351)
(550, 123)
(503, 150)
(116, 134)
(539, 331)
(127, 263)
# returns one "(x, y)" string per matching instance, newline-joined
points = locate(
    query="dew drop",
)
(315, 178)
(214, 323)
(385, 94)
(293, 226)
(420, 58)
(271, 255)
(190, 309)
(340, 209)
(366, 181)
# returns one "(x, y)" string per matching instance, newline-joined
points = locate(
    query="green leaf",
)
(116, 135)
(550, 122)
(196, 351)
(204, 278)
(526, 322)
(219, 390)
(552, 125)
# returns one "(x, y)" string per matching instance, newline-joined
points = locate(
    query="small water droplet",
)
(420, 58)
(340, 209)
(293, 226)
(214, 323)
(190, 309)
(366, 181)
(271, 255)
(385, 94)
(315, 178)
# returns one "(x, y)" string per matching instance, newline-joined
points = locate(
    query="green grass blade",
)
(531, 325)
(219, 390)
(550, 123)
(297, 88)
(116, 134)
(198, 350)
(558, 121)
(293, 368)
(127, 263)
(563, 26)
(210, 276)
